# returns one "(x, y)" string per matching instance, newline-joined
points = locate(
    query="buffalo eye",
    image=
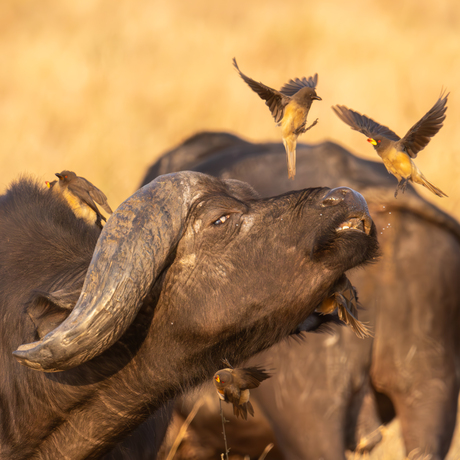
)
(221, 220)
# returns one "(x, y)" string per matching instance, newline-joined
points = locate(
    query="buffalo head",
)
(224, 268)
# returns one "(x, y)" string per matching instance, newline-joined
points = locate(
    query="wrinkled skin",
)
(323, 398)
(212, 272)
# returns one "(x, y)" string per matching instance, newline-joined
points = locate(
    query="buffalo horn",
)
(130, 253)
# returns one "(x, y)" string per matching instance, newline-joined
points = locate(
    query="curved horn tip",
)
(66, 346)
(36, 357)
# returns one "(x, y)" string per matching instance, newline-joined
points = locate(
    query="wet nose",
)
(337, 195)
(345, 194)
(354, 201)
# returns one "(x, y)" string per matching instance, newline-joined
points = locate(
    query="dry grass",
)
(103, 87)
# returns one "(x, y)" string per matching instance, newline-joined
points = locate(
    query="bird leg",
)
(301, 129)
(402, 184)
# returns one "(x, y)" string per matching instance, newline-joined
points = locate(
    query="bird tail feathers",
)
(250, 408)
(422, 181)
(290, 146)
(241, 410)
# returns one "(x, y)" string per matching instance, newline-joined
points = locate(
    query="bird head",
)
(66, 176)
(50, 184)
(315, 96)
(311, 94)
(222, 378)
(379, 142)
(306, 96)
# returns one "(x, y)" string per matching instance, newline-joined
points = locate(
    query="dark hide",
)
(323, 397)
(238, 277)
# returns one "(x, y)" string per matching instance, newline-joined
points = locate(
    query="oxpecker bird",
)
(395, 152)
(289, 107)
(344, 300)
(233, 386)
(81, 196)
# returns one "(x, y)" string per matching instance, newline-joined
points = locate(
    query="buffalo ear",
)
(62, 298)
(48, 310)
(242, 190)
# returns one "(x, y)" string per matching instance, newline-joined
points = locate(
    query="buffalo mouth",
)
(360, 224)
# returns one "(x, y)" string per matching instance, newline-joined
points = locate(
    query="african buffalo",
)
(332, 392)
(187, 271)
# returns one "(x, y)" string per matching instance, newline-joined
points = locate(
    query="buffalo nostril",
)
(336, 196)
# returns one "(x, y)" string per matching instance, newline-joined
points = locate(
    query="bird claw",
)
(301, 129)
(402, 185)
(313, 124)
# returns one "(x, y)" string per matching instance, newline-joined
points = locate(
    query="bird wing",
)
(421, 133)
(274, 100)
(232, 394)
(293, 86)
(363, 124)
(250, 377)
(97, 195)
(79, 189)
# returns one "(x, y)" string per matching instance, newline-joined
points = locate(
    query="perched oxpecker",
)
(289, 107)
(395, 152)
(233, 386)
(81, 196)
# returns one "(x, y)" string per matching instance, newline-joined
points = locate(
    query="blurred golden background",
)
(103, 88)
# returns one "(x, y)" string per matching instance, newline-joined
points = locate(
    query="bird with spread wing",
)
(289, 107)
(397, 153)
